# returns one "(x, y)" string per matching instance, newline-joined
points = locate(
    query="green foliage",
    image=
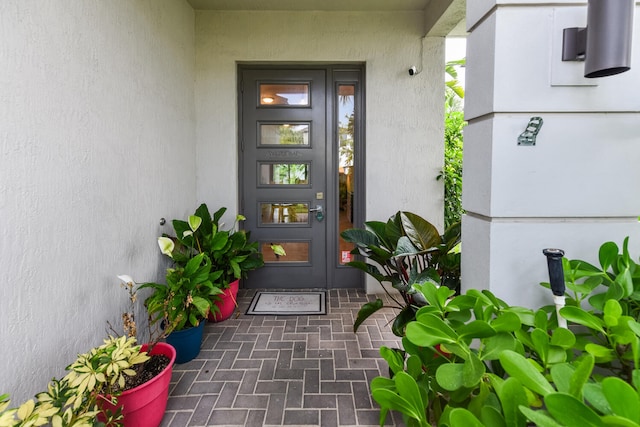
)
(186, 298)
(478, 361)
(454, 92)
(346, 137)
(451, 175)
(288, 135)
(405, 250)
(616, 277)
(231, 252)
(207, 259)
(73, 400)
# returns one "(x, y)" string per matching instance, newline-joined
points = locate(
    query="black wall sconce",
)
(605, 44)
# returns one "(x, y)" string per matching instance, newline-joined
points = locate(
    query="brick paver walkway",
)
(285, 370)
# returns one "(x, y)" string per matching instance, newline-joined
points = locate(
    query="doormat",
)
(288, 303)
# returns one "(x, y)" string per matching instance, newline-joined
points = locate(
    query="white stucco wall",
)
(97, 143)
(574, 189)
(404, 115)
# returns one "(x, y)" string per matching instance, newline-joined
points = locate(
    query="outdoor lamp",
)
(605, 44)
(556, 279)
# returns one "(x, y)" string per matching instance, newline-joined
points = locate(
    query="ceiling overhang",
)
(309, 5)
(441, 17)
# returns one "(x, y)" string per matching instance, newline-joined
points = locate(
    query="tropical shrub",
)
(473, 360)
(405, 250)
(617, 277)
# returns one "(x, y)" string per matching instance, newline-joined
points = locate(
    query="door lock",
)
(319, 212)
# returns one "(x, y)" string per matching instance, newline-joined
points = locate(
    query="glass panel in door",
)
(346, 136)
(284, 133)
(347, 173)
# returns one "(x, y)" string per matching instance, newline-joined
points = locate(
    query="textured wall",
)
(575, 189)
(404, 123)
(97, 131)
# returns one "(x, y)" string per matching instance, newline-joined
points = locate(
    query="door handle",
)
(319, 212)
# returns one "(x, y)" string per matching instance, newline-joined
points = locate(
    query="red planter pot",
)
(144, 405)
(228, 304)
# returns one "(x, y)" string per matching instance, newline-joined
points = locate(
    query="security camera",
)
(413, 71)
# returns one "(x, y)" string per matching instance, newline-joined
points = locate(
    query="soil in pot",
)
(147, 371)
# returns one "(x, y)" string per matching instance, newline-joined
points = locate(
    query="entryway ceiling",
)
(327, 5)
(442, 17)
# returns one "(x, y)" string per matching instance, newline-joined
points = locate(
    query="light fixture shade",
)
(609, 34)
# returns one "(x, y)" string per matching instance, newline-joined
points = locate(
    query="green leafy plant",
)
(451, 349)
(454, 92)
(610, 335)
(476, 361)
(405, 250)
(74, 400)
(569, 396)
(231, 251)
(451, 175)
(617, 277)
(187, 297)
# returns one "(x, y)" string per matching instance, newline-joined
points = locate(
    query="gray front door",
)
(291, 178)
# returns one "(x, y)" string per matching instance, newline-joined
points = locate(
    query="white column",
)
(579, 185)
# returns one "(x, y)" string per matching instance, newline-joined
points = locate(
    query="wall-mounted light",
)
(267, 100)
(605, 44)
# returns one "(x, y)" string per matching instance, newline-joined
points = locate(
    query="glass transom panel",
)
(284, 94)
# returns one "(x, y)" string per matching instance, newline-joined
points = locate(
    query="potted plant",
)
(108, 383)
(116, 383)
(405, 250)
(181, 305)
(231, 252)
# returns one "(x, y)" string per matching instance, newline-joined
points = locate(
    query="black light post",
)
(556, 279)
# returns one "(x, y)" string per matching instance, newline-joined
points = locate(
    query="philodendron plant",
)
(187, 297)
(231, 252)
(405, 250)
(473, 360)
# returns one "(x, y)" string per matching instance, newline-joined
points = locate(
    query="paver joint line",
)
(282, 370)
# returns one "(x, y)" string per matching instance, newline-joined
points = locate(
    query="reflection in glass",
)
(284, 134)
(346, 136)
(291, 94)
(284, 213)
(295, 252)
(284, 174)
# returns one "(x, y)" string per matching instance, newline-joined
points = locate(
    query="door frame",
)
(332, 153)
